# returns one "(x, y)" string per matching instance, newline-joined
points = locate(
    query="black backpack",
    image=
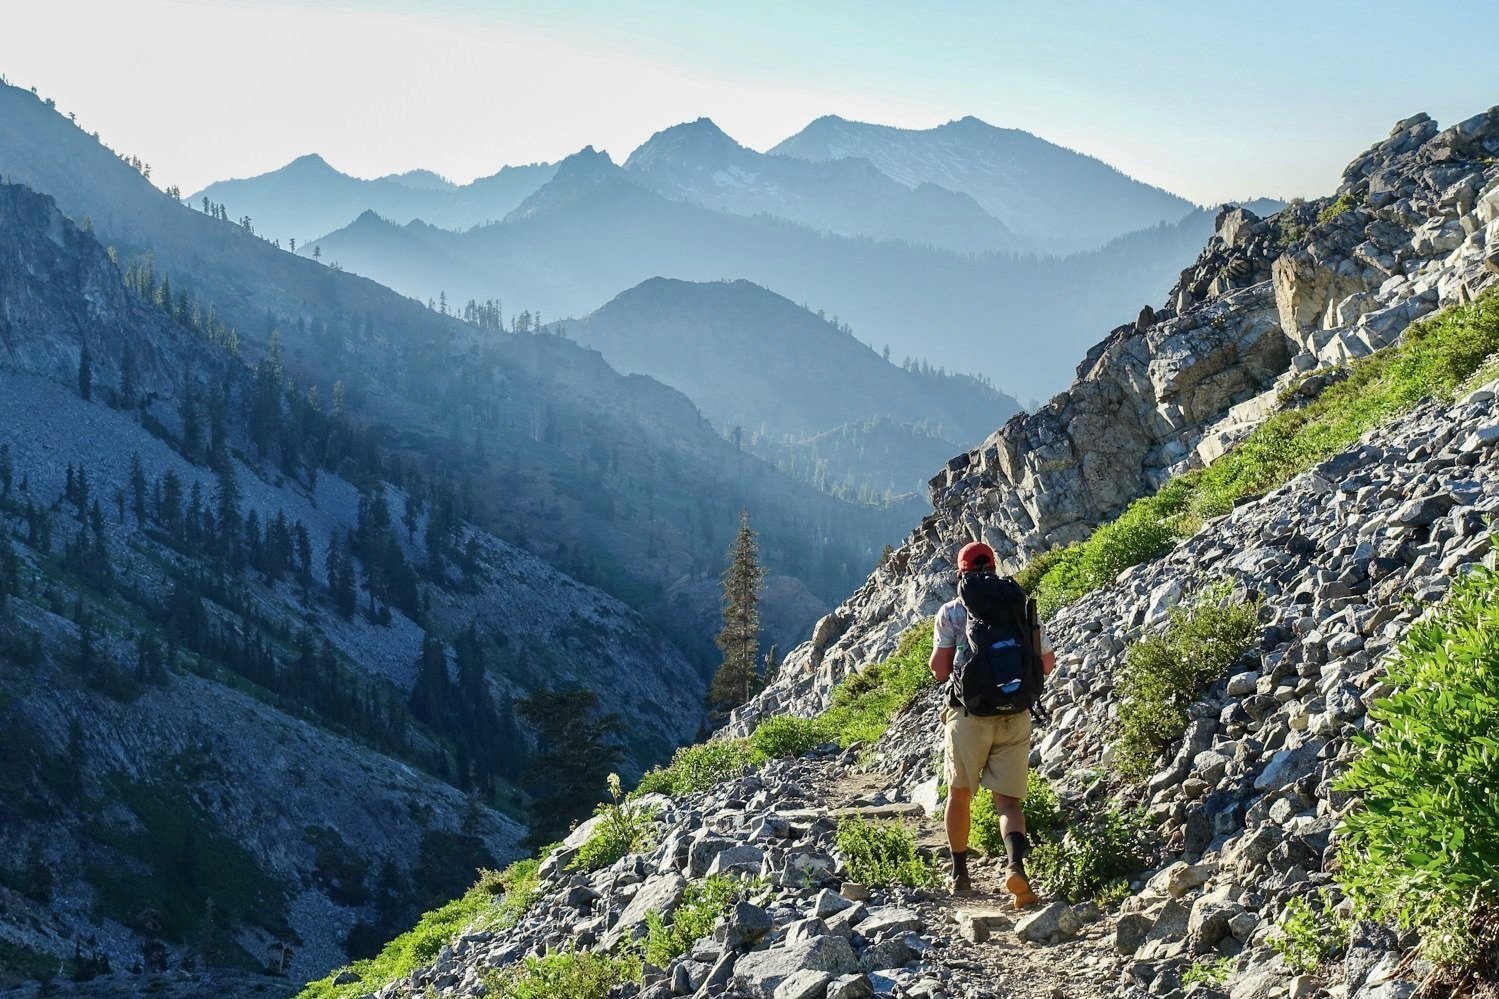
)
(1001, 671)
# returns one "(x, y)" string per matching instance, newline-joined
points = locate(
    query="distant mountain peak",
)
(421, 180)
(701, 140)
(310, 162)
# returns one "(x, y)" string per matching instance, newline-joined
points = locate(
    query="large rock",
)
(763, 970)
(661, 894)
(1050, 924)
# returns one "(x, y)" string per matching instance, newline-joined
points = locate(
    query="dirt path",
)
(973, 936)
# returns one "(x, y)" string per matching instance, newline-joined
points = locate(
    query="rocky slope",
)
(1241, 809)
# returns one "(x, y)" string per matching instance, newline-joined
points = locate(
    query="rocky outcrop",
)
(1269, 301)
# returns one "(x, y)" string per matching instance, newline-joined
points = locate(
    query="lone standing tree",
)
(739, 640)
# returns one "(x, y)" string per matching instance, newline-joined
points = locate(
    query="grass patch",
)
(577, 974)
(1164, 673)
(1433, 359)
(882, 853)
(1423, 848)
(497, 901)
(862, 708)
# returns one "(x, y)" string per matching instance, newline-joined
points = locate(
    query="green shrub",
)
(1310, 934)
(697, 768)
(574, 974)
(496, 902)
(785, 735)
(1344, 203)
(623, 827)
(1208, 972)
(1424, 846)
(1163, 674)
(703, 903)
(1091, 857)
(1433, 359)
(1043, 815)
(882, 853)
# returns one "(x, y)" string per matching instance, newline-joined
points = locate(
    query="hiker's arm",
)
(1048, 662)
(941, 662)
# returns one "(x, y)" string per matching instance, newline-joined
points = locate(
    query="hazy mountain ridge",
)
(591, 231)
(697, 163)
(1052, 198)
(307, 198)
(753, 360)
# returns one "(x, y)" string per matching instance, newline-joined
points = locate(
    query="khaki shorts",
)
(992, 752)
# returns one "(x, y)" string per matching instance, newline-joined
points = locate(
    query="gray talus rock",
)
(762, 971)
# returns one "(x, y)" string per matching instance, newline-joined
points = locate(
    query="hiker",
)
(990, 698)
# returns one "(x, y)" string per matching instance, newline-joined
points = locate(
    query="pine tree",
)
(737, 679)
(138, 488)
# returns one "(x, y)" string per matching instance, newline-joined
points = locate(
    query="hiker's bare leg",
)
(959, 805)
(1011, 818)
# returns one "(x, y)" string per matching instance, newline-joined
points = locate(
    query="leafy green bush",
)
(1423, 848)
(573, 974)
(623, 827)
(882, 853)
(1043, 815)
(697, 768)
(1344, 203)
(702, 905)
(785, 735)
(1091, 857)
(1208, 972)
(864, 705)
(1163, 674)
(1310, 934)
(1433, 358)
(496, 902)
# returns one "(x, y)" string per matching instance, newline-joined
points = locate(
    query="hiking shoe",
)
(1017, 885)
(960, 884)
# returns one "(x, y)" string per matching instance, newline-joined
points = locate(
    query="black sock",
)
(1016, 847)
(960, 862)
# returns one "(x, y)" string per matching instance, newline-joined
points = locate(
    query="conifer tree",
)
(737, 679)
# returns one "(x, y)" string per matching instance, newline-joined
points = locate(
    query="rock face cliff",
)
(1411, 228)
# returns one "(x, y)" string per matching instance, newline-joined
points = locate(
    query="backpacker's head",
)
(976, 557)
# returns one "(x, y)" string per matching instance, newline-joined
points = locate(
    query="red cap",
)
(974, 555)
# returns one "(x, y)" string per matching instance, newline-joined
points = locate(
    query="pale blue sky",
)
(1211, 100)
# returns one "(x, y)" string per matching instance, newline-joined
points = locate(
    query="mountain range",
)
(592, 230)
